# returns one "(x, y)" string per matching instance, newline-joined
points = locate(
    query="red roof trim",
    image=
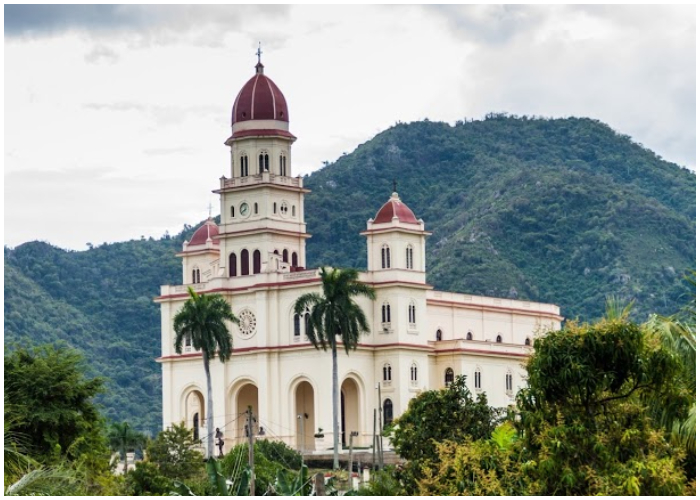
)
(481, 351)
(242, 288)
(261, 132)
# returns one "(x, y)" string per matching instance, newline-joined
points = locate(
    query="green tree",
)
(53, 405)
(583, 419)
(123, 438)
(433, 417)
(335, 316)
(202, 320)
(173, 452)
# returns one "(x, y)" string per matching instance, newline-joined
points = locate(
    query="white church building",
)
(420, 338)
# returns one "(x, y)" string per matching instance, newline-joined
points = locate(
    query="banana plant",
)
(220, 485)
(289, 484)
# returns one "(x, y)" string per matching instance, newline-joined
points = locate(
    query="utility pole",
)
(251, 451)
(374, 441)
(352, 435)
(302, 446)
(379, 433)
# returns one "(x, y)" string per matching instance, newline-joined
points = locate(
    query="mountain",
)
(555, 210)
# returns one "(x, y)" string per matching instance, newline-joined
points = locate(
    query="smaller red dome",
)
(395, 208)
(205, 232)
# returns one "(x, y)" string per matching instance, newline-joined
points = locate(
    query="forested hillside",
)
(564, 211)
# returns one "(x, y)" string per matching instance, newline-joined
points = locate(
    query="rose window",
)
(247, 323)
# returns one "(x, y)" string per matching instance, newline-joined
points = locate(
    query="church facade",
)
(255, 257)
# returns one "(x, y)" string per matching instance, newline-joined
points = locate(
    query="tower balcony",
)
(259, 179)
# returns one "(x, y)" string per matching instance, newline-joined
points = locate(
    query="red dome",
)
(206, 231)
(395, 208)
(259, 99)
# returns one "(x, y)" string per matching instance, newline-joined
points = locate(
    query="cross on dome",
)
(259, 67)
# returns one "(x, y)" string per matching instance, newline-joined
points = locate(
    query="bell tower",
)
(262, 228)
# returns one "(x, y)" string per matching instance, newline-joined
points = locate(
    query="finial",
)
(210, 209)
(394, 185)
(259, 67)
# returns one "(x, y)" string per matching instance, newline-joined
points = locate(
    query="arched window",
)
(438, 335)
(470, 336)
(388, 409)
(386, 372)
(386, 257)
(255, 208)
(386, 313)
(307, 320)
(256, 262)
(477, 378)
(233, 211)
(195, 426)
(414, 374)
(244, 166)
(245, 263)
(232, 265)
(527, 341)
(188, 341)
(274, 208)
(294, 210)
(409, 257)
(295, 263)
(297, 326)
(499, 339)
(264, 162)
(449, 376)
(283, 165)
(509, 382)
(285, 255)
(195, 275)
(412, 313)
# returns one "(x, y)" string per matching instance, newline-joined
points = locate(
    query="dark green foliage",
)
(270, 458)
(440, 415)
(433, 417)
(584, 426)
(565, 211)
(384, 483)
(53, 403)
(146, 480)
(99, 302)
(173, 453)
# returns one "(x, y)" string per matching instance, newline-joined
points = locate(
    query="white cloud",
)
(119, 120)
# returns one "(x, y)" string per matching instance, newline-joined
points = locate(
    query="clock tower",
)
(262, 228)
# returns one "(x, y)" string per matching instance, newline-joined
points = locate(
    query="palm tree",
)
(202, 321)
(334, 314)
(122, 438)
(678, 334)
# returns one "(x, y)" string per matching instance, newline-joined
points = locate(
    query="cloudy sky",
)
(115, 116)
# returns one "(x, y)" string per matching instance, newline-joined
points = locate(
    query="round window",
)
(247, 323)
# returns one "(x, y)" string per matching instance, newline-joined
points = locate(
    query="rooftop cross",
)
(394, 185)
(210, 209)
(259, 52)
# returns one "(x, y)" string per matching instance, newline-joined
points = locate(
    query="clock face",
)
(245, 209)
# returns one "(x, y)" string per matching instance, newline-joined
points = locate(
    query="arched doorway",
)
(304, 416)
(247, 396)
(195, 416)
(349, 410)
